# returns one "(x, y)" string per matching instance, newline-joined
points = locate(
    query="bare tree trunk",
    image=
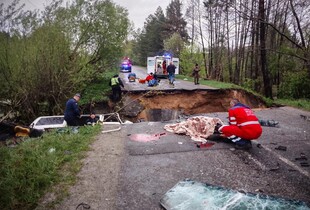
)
(211, 43)
(303, 42)
(202, 42)
(193, 30)
(237, 34)
(229, 57)
(262, 37)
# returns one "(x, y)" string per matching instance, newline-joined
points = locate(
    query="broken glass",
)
(189, 194)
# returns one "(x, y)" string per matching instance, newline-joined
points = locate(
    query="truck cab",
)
(155, 65)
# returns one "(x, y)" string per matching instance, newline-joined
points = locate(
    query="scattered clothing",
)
(9, 130)
(198, 128)
(152, 82)
(268, 123)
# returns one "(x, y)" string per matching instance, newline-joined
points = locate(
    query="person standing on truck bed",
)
(171, 72)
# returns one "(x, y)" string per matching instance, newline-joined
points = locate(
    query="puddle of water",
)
(146, 137)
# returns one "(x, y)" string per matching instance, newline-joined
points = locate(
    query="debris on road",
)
(189, 194)
(302, 157)
(283, 148)
(198, 128)
(268, 123)
(304, 164)
(305, 117)
(205, 145)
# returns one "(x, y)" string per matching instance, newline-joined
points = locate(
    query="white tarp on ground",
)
(198, 127)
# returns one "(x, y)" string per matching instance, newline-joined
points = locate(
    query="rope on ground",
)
(83, 205)
(148, 92)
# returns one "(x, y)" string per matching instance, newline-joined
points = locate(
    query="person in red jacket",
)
(149, 77)
(243, 125)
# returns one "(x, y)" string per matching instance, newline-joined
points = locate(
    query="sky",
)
(138, 10)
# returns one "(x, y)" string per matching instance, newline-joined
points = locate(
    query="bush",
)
(295, 85)
(35, 165)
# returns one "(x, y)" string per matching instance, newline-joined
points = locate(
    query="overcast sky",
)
(138, 10)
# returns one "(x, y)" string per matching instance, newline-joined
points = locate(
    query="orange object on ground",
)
(21, 131)
(142, 81)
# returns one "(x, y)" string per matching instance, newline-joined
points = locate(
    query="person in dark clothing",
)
(171, 72)
(72, 112)
(196, 74)
(92, 120)
(116, 84)
(132, 77)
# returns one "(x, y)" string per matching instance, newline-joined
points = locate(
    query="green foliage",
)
(174, 44)
(45, 60)
(175, 22)
(98, 90)
(211, 83)
(29, 169)
(299, 103)
(150, 41)
(282, 62)
(157, 28)
(188, 60)
(249, 83)
(295, 85)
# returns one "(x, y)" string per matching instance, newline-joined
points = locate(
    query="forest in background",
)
(262, 45)
(46, 56)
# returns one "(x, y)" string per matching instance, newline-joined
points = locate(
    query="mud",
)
(158, 105)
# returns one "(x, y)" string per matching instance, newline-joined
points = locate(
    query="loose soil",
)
(141, 106)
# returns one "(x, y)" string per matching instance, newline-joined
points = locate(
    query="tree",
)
(263, 58)
(174, 44)
(175, 23)
(45, 59)
(149, 42)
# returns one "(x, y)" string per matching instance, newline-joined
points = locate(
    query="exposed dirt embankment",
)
(144, 105)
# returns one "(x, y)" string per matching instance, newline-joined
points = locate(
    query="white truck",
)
(155, 65)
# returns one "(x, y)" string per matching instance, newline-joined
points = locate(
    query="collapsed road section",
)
(165, 105)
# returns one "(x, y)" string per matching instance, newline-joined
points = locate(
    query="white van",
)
(155, 65)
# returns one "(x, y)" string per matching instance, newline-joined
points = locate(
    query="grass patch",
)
(297, 103)
(212, 83)
(29, 170)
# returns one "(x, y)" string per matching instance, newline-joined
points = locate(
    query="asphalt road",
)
(163, 84)
(120, 173)
(150, 169)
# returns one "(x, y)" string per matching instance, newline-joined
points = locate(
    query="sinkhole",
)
(172, 105)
